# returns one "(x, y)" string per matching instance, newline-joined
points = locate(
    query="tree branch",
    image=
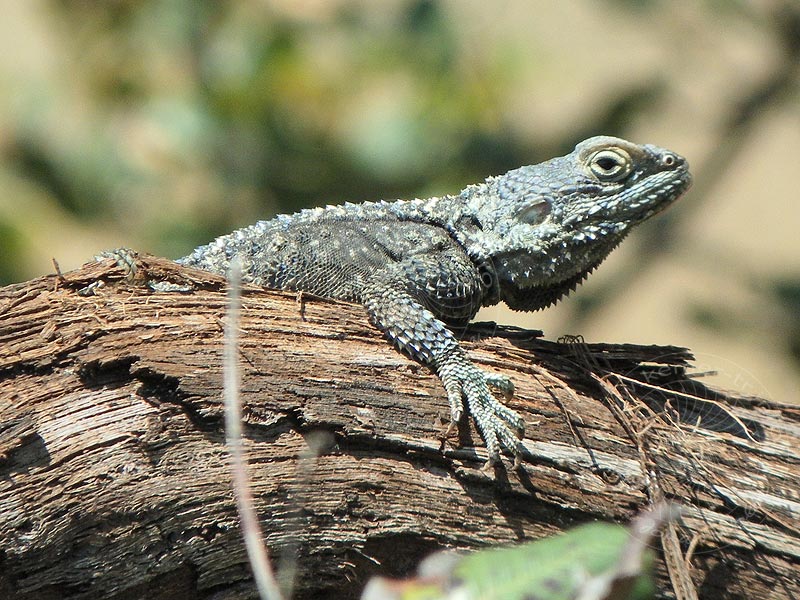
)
(114, 476)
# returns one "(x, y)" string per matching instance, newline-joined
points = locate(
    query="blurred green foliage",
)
(10, 245)
(183, 119)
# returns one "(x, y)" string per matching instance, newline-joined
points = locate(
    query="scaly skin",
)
(425, 267)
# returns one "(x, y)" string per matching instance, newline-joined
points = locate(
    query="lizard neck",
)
(527, 282)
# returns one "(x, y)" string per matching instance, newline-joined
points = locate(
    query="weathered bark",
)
(114, 479)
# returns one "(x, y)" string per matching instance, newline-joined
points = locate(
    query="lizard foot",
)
(124, 257)
(499, 426)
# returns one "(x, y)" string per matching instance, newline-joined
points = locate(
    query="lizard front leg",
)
(417, 332)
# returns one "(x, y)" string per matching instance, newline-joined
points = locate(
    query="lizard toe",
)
(499, 426)
(500, 382)
(125, 258)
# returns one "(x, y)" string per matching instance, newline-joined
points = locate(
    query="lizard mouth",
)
(640, 202)
(660, 198)
(663, 196)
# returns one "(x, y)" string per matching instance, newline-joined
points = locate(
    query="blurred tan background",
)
(159, 124)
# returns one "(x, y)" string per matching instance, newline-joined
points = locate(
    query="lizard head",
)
(553, 222)
(608, 186)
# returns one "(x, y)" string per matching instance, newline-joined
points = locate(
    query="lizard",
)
(424, 267)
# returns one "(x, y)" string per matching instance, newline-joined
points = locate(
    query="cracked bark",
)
(115, 481)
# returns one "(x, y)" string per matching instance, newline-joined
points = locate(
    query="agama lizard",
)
(424, 267)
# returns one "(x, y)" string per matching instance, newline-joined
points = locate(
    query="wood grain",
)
(114, 480)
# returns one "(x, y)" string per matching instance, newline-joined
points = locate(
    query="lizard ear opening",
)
(536, 212)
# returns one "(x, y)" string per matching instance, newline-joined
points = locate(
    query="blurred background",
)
(160, 124)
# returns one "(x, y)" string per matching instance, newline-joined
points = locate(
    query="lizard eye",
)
(535, 213)
(610, 165)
